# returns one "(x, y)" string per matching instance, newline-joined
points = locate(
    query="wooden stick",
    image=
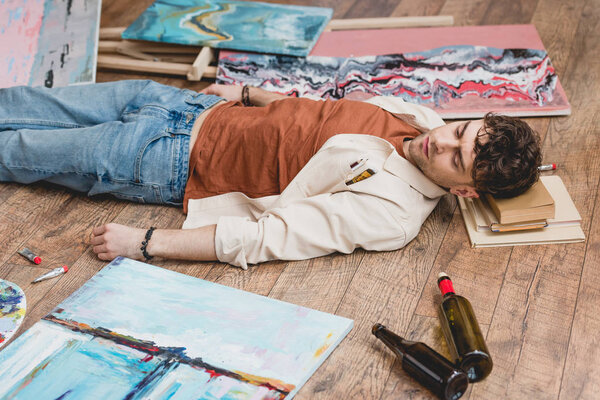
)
(111, 33)
(128, 64)
(204, 58)
(384, 23)
(110, 46)
(136, 54)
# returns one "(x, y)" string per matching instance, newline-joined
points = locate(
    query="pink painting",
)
(461, 72)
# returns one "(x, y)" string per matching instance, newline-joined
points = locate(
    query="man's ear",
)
(464, 191)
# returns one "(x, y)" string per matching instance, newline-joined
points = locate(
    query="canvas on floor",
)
(136, 331)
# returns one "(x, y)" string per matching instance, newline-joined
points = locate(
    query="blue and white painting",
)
(48, 42)
(239, 25)
(135, 331)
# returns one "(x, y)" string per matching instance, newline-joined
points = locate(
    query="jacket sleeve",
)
(311, 227)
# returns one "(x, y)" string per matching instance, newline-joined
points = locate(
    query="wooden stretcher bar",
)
(173, 59)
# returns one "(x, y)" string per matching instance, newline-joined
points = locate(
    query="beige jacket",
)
(318, 213)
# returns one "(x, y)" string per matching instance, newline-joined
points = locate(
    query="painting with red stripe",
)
(456, 80)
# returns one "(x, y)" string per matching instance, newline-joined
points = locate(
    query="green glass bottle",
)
(461, 330)
(426, 365)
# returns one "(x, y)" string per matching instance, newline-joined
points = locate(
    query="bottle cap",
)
(65, 268)
(37, 260)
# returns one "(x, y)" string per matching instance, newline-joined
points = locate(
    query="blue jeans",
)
(129, 139)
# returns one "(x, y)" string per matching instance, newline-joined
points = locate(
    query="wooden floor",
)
(537, 305)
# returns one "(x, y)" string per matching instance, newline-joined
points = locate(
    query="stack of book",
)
(543, 214)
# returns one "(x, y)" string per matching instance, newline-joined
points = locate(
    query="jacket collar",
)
(403, 169)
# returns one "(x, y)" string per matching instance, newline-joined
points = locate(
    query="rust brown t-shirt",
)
(259, 150)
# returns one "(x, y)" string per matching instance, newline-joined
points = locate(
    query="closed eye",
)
(459, 134)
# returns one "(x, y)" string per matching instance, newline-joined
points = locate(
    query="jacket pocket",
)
(326, 178)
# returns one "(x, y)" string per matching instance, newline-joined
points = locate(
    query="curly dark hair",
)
(507, 156)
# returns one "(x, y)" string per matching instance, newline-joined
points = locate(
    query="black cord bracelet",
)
(149, 232)
(246, 96)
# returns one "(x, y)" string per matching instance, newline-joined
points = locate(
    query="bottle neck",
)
(445, 285)
(396, 343)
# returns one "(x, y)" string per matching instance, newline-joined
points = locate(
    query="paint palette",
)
(12, 310)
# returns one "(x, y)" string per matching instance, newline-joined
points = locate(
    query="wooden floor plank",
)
(257, 279)
(509, 12)
(371, 9)
(319, 283)
(411, 8)
(466, 12)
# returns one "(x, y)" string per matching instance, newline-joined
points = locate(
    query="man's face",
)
(446, 155)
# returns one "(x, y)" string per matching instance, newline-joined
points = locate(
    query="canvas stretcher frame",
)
(140, 56)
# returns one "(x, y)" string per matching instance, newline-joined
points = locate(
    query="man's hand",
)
(228, 92)
(112, 240)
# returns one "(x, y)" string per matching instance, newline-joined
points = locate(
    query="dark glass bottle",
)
(426, 365)
(461, 330)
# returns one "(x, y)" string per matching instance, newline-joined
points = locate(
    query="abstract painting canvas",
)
(456, 80)
(240, 25)
(135, 331)
(48, 42)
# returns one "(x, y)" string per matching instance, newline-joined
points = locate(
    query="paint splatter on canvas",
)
(248, 26)
(12, 310)
(475, 77)
(138, 331)
(48, 42)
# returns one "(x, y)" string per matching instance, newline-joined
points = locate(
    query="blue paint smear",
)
(85, 367)
(14, 15)
(10, 64)
(249, 26)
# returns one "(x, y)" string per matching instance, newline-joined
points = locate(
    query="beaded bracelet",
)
(147, 256)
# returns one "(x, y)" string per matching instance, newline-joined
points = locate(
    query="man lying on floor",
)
(261, 176)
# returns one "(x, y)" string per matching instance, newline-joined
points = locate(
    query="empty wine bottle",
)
(426, 365)
(461, 330)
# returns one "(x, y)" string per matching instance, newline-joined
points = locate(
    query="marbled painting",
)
(456, 81)
(239, 25)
